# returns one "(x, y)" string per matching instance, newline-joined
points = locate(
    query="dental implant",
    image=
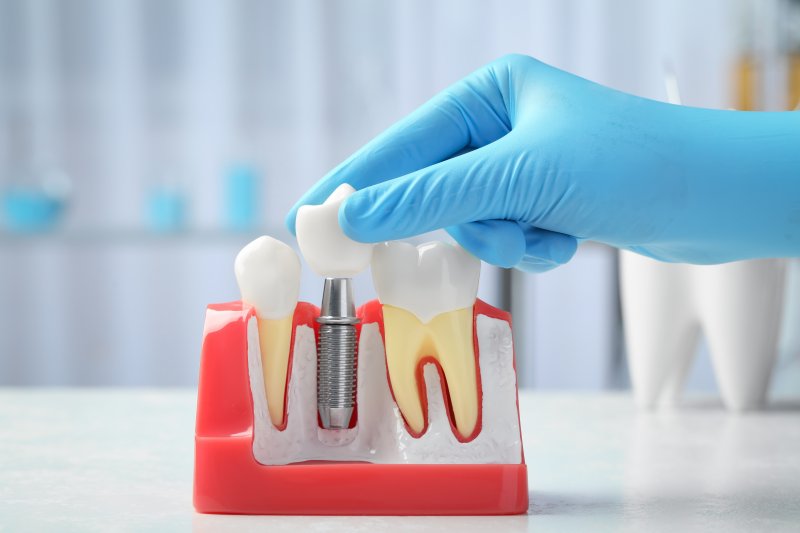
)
(337, 258)
(337, 354)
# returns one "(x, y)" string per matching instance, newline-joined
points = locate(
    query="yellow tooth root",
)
(274, 339)
(452, 334)
(404, 348)
(448, 339)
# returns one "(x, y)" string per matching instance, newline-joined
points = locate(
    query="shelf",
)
(136, 237)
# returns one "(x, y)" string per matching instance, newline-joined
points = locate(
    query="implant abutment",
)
(337, 354)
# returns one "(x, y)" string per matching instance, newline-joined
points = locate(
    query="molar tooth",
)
(428, 279)
(268, 274)
(427, 294)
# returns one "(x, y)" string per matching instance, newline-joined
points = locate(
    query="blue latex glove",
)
(520, 160)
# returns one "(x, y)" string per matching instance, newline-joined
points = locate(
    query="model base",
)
(228, 479)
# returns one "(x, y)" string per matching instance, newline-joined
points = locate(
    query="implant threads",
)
(336, 356)
(336, 374)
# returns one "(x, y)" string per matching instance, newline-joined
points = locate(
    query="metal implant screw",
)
(336, 356)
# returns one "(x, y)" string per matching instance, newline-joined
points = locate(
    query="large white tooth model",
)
(737, 306)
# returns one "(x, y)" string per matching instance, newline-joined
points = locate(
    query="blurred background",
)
(144, 142)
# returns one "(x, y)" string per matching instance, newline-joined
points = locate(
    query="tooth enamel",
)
(427, 293)
(666, 306)
(329, 252)
(268, 274)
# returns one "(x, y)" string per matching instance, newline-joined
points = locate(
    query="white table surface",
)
(121, 460)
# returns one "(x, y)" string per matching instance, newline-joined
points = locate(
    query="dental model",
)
(427, 294)
(268, 275)
(337, 258)
(437, 428)
(737, 306)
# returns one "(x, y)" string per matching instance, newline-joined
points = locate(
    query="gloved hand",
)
(520, 161)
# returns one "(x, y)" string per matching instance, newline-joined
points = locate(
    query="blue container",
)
(166, 209)
(29, 210)
(242, 191)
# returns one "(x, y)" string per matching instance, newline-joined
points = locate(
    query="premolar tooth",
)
(427, 294)
(268, 274)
